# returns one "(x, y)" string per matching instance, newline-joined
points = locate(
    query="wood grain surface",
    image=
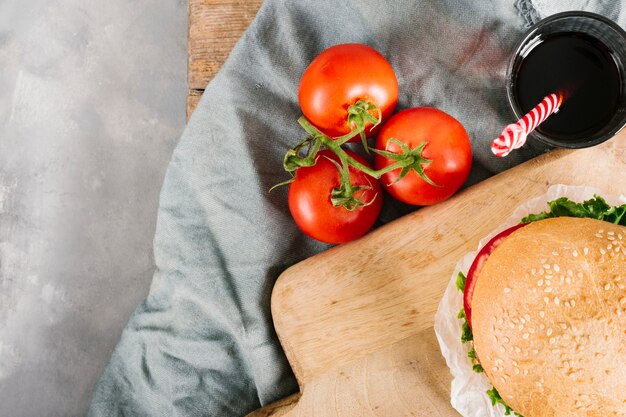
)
(356, 321)
(214, 28)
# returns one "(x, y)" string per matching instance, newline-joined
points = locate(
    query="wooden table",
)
(214, 28)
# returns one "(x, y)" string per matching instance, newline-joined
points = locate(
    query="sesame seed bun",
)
(549, 319)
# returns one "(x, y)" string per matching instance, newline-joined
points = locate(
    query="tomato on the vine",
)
(441, 149)
(312, 208)
(348, 79)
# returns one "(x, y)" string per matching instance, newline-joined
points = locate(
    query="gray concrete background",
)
(92, 102)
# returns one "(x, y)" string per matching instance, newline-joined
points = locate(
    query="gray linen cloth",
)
(202, 343)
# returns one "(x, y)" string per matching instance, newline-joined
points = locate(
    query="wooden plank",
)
(355, 320)
(192, 101)
(214, 28)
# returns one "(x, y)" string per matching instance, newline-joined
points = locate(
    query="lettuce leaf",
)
(495, 397)
(595, 208)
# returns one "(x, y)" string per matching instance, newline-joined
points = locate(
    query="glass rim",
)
(528, 35)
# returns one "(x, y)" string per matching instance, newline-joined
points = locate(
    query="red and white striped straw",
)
(514, 135)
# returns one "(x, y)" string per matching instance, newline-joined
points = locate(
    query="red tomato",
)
(447, 146)
(313, 211)
(477, 266)
(338, 78)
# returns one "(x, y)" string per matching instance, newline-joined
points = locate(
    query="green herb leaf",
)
(478, 368)
(461, 314)
(460, 282)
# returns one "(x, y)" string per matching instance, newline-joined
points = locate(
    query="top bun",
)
(549, 319)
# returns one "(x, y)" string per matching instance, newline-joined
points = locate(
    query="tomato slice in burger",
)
(477, 266)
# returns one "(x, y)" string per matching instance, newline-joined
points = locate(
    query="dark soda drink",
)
(582, 67)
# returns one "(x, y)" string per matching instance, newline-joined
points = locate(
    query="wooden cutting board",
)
(356, 322)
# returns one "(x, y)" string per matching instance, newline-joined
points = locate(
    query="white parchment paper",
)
(468, 395)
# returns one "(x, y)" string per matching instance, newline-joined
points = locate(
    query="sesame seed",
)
(546, 300)
(575, 254)
(555, 253)
(507, 290)
(517, 349)
(607, 287)
(622, 300)
(542, 314)
(598, 235)
(516, 370)
(572, 302)
(620, 286)
(552, 340)
(527, 317)
(540, 283)
(563, 326)
(567, 304)
(602, 251)
(533, 271)
(585, 250)
(546, 266)
(525, 336)
(556, 267)
(556, 300)
(549, 331)
(548, 289)
(506, 339)
(520, 327)
(610, 233)
(568, 280)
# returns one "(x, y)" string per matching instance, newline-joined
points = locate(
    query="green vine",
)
(304, 154)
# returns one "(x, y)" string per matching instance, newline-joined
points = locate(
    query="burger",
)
(544, 312)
